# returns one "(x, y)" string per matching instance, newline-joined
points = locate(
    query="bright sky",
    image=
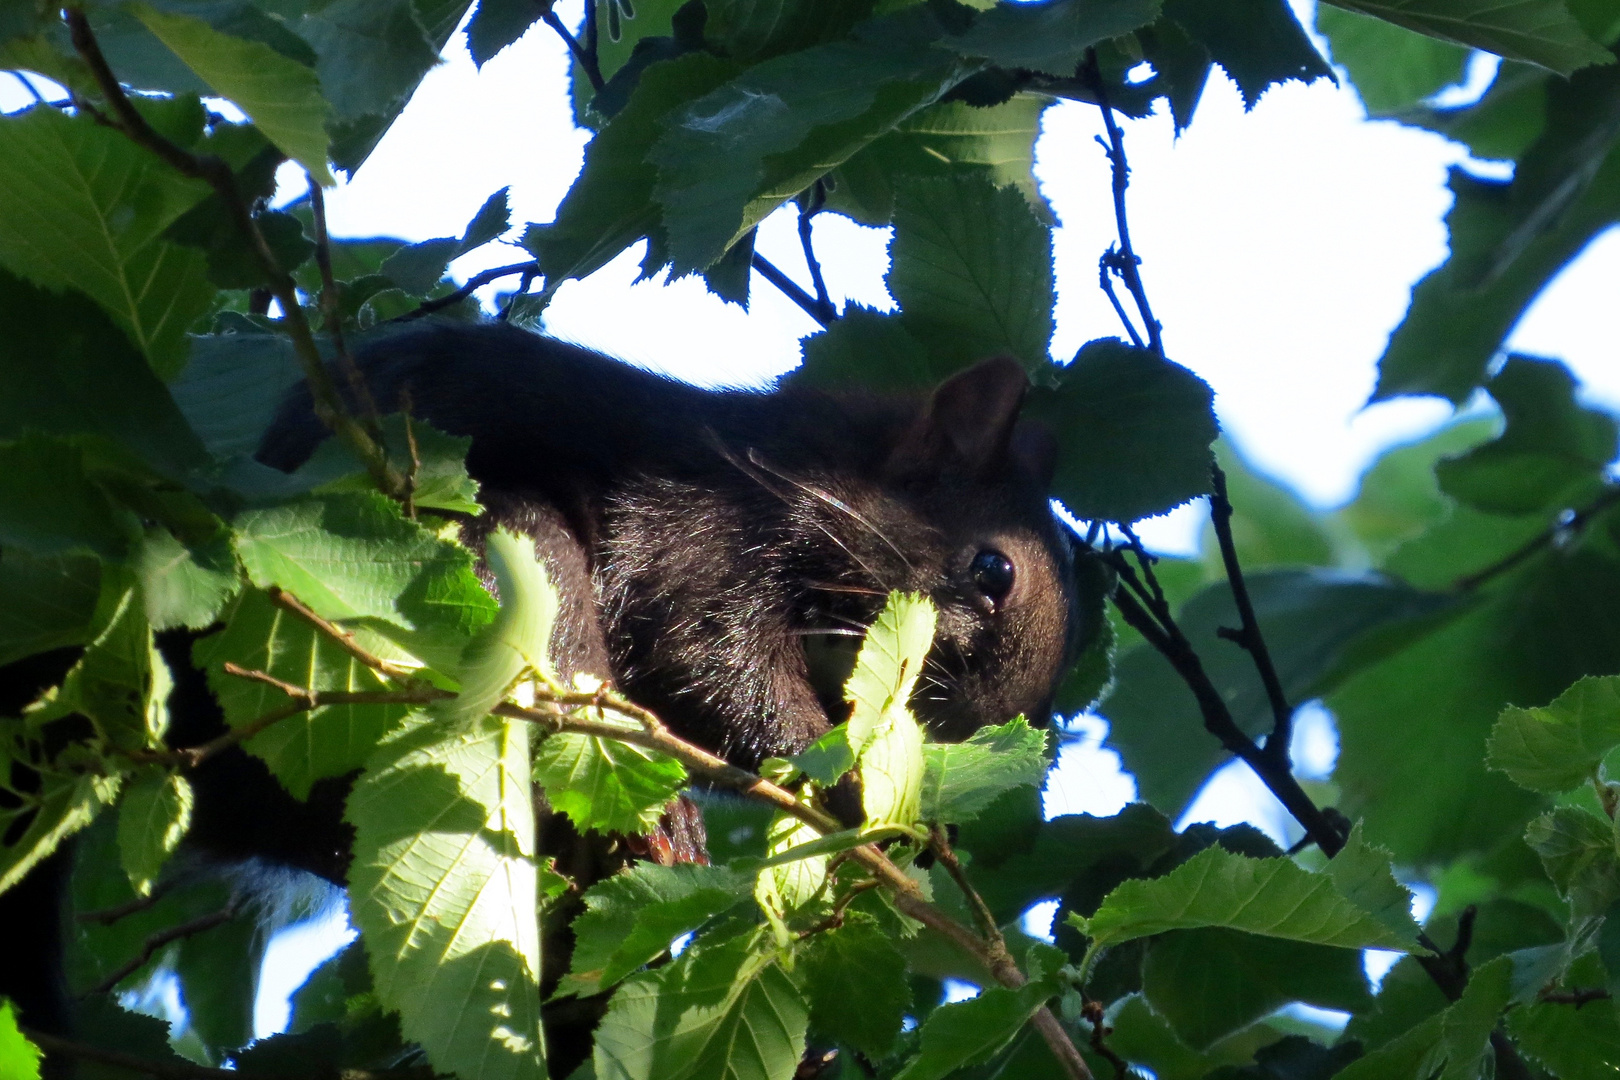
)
(1279, 247)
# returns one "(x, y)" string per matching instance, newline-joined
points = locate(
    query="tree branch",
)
(217, 174)
(1248, 635)
(1568, 526)
(1106, 280)
(477, 281)
(808, 209)
(1123, 261)
(812, 307)
(587, 57)
(156, 941)
(332, 313)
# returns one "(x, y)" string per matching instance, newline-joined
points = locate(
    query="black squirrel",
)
(701, 539)
(713, 550)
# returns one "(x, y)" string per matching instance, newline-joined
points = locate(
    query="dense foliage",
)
(1458, 617)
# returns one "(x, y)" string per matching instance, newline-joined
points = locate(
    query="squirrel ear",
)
(968, 421)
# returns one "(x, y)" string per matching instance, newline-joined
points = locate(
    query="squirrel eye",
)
(992, 574)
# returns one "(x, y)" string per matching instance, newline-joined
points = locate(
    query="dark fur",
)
(700, 538)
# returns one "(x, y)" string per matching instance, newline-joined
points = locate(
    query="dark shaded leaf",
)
(1257, 42)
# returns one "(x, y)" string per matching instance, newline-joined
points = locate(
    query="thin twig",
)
(1248, 636)
(474, 283)
(835, 919)
(341, 637)
(1124, 261)
(1566, 527)
(163, 937)
(1092, 1012)
(941, 846)
(586, 57)
(1105, 278)
(108, 916)
(529, 275)
(1582, 996)
(813, 308)
(410, 448)
(217, 174)
(332, 313)
(807, 212)
(39, 98)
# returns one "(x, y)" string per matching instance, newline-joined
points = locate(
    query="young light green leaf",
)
(855, 981)
(631, 917)
(887, 738)
(1557, 747)
(1269, 897)
(443, 891)
(971, 266)
(1133, 432)
(333, 740)
(1537, 31)
(282, 97)
(606, 784)
(155, 814)
(97, 207)
(121, 684)
(966, 1032)
(783, 888)
(828, 758)
(518, 641)
(19, 1058)
(961, 779)
(726, 1010)
(65, 803)
(1578, 849)
(889, 662)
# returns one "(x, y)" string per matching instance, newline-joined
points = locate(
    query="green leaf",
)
(610, 205)
(631, 918)
(972, 269)
(1582, 126)
(1269, 897)
(85, 208)
(1572, 1043)
(517, 642)
(795, 875)
(753, 30)
(962, 779)
(1421, 786)
(66, 802)
(19, 1058)
(1559, 746)
(952, 138)
(1133, 432)
(418, 268)
(1361, 873)
(606, 784)
(1051, 37)
(1451, 1045)
(966, 1032)
(1578, 849)
(869, 349)
(181, 585)
(121, 683)
(727, 1011)
(372, 53)
(1399, 498)
(45, 603)
(1551, 445)
(1502, 124)
(1454, 327)
(443, 892)
(333, 740)
(232, 386)
(1538, 31)
(496, 24)
(1320, 627)
(155, 814)
(887, 739)
(1271, 525)
(1209, 983)
(281, 97)
(217, 970)
(349, 556)
(855, 982)
(1392, 68)
(1258, 42)
(50, 506)
(728, 159)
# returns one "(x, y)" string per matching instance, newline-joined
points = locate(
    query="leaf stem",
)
(588, 62)
(477, 281)
(217, 174)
